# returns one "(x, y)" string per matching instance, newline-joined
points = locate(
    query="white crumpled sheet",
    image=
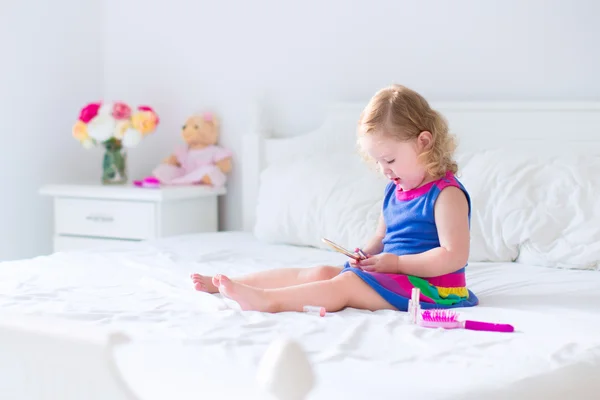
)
(198, 344)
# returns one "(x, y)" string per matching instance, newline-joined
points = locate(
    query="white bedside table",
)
(91, 215)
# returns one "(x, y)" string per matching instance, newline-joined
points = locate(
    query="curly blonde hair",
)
(404, 114)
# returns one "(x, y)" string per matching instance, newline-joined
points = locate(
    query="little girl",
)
(422, 239)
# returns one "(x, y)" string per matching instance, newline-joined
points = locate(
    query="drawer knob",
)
(99, 218)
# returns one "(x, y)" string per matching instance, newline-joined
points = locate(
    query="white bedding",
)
(195, 343)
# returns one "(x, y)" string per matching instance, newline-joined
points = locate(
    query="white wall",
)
(183, 56)
(51, 65)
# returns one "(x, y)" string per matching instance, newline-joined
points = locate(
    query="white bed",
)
(146, 334)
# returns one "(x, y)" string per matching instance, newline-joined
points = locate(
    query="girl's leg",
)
(271, 279)
(345, 290)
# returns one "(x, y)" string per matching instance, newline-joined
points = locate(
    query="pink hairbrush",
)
(448, 319)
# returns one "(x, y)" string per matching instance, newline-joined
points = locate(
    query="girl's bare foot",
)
(204, 283)
(248, 297)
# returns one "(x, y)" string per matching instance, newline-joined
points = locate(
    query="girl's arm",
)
(375, 245)
(452, 221)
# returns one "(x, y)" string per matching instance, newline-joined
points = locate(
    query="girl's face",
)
(398, 160)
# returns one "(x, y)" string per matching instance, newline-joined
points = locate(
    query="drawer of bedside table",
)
(104, 218)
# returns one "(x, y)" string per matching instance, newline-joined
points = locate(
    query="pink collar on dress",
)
(421, 190)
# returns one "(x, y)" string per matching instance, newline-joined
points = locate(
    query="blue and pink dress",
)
(411, 229)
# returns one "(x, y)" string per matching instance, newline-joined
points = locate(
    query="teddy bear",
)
(201, 160)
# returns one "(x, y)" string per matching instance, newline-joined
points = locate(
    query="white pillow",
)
(540, 210)
(537, 210)
(338, 197)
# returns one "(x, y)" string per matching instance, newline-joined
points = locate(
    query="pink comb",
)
(448, 319)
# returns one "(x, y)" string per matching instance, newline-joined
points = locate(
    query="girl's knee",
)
(322, 273)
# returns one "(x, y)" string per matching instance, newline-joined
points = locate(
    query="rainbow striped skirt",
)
(448, 291)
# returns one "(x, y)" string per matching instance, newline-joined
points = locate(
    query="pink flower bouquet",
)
(115, 126)
(100, 123)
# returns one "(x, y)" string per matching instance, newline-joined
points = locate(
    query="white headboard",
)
(550, 126)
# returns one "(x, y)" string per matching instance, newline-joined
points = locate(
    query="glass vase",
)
(114, 165)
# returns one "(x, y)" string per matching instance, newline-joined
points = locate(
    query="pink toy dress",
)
(195, 164)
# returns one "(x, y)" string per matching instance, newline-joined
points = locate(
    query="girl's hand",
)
(384, 263)
(354, 263)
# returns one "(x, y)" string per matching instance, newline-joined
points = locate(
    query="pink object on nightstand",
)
(148, 182)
